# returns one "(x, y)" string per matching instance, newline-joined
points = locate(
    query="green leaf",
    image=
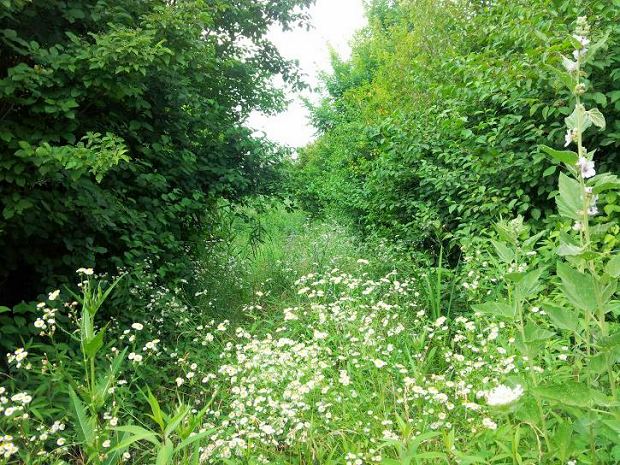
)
(571, 393)
(164, 456)
(190, 440)
(157, 415)
(613, 266)
(577, 287)
(529, 285)
(84, 425)
(502, 309)
(569, 199)
(176, 420)
(562, 318)
(549, 171)
(563, 156)
(566, 250)
(137, 434)
(503, 251)
(92, 345)
(536, 333)
(597, 118)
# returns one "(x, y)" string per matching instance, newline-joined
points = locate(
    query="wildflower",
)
(106, 443)
(135, 357)
(569, 65)
(54, 295)
(61, 442)
(179, 381)
(344, 378)
(503, 395)
(39, 323)
(569, 138)
(488, 423)
(586, 167)
(85, 271)
(379, 363)
(577, 226)
(137, 326)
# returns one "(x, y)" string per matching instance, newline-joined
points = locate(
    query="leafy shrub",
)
(121, 123)
(431, 130)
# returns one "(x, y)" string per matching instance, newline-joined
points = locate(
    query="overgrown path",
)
(331, 355)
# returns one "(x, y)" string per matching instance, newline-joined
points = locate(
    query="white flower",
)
(85, 271)
(488, 423)
(106, 443)
(570, 65)
(138, 326)
(586, 167)
(61, 441)
(39, 323)
(344, 378)
(54, 295)
(569, 137)
(379, 363)
(179, 381)
(583, 40)
(502, 395)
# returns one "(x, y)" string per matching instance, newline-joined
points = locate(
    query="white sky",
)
(334, 23)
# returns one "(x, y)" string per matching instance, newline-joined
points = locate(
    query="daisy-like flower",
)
(503, 395)
(488, 423)
(379, 363)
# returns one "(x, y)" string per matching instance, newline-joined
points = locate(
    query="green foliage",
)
(121, 122)
(434, 124)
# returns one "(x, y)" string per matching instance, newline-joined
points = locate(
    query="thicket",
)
(432, 130)
(121, 125)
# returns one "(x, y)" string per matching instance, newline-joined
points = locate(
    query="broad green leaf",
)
(503, 251)
(529, 285)
(597, 118)
(535, 333)
(569, 199)
(613, 266)
(571, 393)
(577, 287)
(569, 250)
(564, 156)
(562, 318)
(604, 182)
(500, 309)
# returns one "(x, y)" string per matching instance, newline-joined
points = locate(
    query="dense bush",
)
(120, 121)
(432, 128)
